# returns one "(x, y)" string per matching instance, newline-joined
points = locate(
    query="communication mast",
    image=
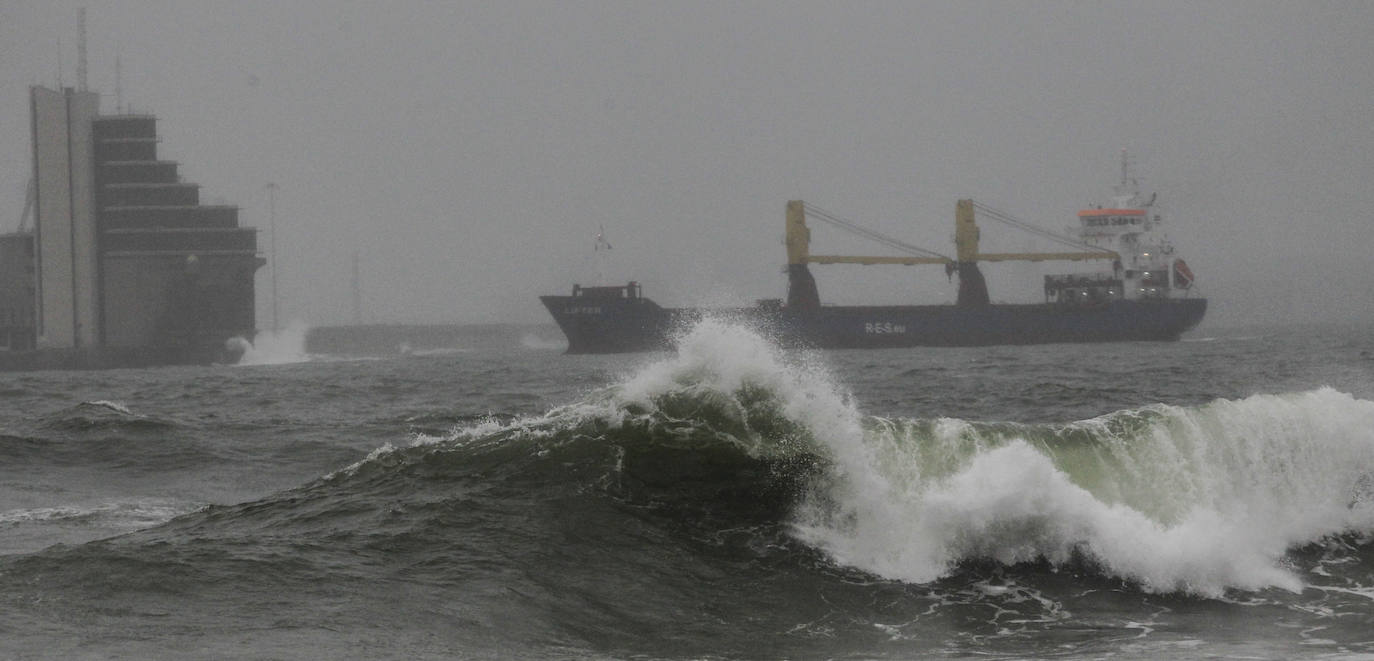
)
(81, 49)
(119, 87)
(272, 225)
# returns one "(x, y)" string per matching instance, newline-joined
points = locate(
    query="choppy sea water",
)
(1209, 498)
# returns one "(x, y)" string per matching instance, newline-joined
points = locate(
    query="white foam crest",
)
(117, 407)
(1237, 484)
(129, 515)
(539, 427)
(714, 356)
(719, 357)
(278, 347)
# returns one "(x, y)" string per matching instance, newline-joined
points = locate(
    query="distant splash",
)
(275, 347)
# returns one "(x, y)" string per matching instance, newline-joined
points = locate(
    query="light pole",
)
(272, 225)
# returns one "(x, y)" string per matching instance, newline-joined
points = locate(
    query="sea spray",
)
(747, 380)
(535, 341)
(275, 347)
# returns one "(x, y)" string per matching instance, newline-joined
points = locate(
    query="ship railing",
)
(1082, 289)
(1080, 280)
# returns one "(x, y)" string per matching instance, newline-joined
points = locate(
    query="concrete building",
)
(127, 265)
(17, 291)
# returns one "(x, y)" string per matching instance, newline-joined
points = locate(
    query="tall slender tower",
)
(66, 305)
(81, 50)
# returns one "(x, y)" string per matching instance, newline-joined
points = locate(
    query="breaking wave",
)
(732, 448)
(1196, 500)
(1172, 499)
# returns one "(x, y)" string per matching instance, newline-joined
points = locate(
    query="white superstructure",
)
(1132, 227)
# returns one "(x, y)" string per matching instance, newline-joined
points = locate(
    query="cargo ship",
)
(1142, 292)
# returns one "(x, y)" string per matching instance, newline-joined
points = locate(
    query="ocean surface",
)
(1208, 498)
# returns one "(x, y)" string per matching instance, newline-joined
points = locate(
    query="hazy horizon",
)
(470, 153)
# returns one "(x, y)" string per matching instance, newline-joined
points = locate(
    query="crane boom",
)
(801, 290)
(869, 261)
(966, 235)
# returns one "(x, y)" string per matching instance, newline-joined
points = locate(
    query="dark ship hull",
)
(618, 319)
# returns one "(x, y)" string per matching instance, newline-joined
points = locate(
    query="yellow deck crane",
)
(802, 293)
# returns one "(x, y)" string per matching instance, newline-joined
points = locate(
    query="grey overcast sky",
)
(469, 152)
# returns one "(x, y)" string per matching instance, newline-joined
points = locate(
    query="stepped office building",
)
(129, 266)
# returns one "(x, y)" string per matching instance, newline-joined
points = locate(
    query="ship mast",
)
(1128, 191)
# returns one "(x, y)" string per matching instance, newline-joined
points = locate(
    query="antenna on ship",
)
(1128, 191)
(602, 247)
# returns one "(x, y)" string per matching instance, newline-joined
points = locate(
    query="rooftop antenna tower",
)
(81, 49)
(272, 225)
